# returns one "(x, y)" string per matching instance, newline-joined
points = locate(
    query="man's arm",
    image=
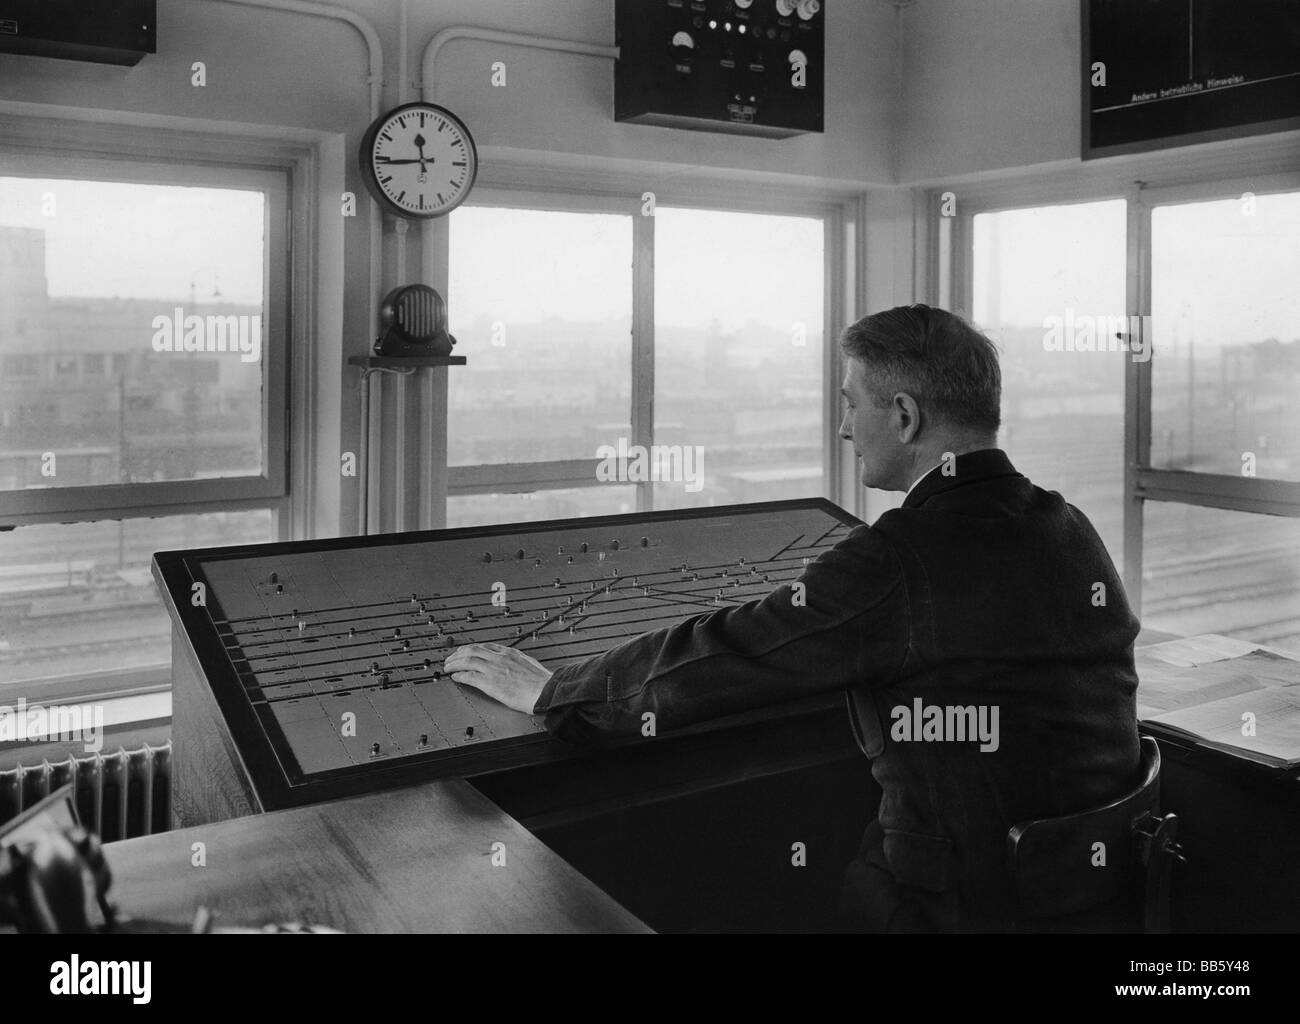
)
(843, 623)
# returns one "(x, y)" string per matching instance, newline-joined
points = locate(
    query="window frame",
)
(577, 473)
(106, 501)
(1143, 182)
(39, 137)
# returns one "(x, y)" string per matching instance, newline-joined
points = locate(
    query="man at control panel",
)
(980, 631)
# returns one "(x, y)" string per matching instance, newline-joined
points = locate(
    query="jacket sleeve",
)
(847, 625)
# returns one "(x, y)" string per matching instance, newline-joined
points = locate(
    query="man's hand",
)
(503, 673)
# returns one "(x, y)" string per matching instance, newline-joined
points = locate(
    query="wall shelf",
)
(403, 362)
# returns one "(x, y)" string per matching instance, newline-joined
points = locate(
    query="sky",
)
(1219, 275)
(522, 265)
(124, 240)
(109, 239)
(1223, 275)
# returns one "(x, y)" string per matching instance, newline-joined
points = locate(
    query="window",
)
(171, 279)
(1045, 278)
(625, 362)
(1180, 305)
(541, 303)
(1223, 441)
(1226, 309)
(739, 354)
(143, 399)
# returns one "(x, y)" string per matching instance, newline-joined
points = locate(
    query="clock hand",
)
(419, 145)
(390, 160)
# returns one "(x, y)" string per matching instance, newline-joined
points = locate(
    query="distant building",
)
(79, 377)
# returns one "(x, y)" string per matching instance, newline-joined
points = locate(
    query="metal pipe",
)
(488, 35)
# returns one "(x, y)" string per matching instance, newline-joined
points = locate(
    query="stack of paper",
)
(1246, 702)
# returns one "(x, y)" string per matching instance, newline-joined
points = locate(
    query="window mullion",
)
(643, 346)
(1137, 389)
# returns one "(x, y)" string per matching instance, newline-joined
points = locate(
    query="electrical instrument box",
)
(749, 67)
(102, 31)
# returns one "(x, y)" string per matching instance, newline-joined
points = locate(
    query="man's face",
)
(874, 430)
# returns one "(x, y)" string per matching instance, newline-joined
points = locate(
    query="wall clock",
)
(418, 160)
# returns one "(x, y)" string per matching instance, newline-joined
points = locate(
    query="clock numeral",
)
(402, 195)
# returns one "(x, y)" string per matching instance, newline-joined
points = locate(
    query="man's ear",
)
(907, 417)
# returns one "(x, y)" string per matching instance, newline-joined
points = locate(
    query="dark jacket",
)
(981, 592)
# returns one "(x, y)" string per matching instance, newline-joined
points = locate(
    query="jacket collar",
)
(984, 464)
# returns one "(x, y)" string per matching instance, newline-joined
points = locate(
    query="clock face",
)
(419, 160)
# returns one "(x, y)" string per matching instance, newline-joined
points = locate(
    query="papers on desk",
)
(1214, 689)
(1199, 650)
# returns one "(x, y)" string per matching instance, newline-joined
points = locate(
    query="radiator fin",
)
(118, 796)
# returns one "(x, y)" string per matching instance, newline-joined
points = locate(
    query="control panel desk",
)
(310, 671)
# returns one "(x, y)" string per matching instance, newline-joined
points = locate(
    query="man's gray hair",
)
(948, 366)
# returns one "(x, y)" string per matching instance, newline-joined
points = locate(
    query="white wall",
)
(988, 84)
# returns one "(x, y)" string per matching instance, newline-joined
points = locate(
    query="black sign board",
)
(1159, 73)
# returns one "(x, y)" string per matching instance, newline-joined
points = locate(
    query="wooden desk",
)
(411, 860)
(1239, 824)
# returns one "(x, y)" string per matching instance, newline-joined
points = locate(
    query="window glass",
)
(1048, 288)
(533, 506)
(1210, 570)
(540, 302)
(740, 412)
(1225, 309)
(79, 598)
(166, 284)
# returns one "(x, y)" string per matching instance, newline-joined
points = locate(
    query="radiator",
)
(118, 796)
